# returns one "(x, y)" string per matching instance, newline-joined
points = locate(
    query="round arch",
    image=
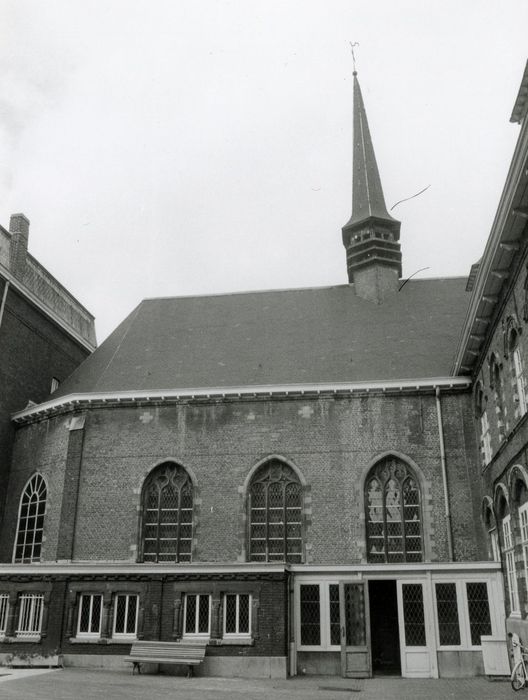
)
(518, 473)
(500, 493)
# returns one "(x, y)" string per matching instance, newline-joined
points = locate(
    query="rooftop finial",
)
(355, 43)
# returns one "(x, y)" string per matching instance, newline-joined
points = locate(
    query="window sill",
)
(232, 641)
(88, 640)
(25, 638)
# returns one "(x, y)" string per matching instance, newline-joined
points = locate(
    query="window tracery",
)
(393, 510)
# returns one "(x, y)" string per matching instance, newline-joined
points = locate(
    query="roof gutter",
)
(75, 401)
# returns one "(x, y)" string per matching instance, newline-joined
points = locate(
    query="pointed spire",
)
(367, 193)
(371, 235)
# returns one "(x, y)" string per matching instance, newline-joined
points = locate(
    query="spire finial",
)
(352, 44)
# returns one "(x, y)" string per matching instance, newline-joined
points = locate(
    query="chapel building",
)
(318, 481)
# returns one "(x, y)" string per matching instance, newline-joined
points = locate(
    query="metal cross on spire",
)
(352, 45)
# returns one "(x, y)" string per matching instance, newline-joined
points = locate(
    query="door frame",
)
(429, 650)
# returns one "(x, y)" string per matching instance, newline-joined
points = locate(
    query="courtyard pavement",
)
(83, 684)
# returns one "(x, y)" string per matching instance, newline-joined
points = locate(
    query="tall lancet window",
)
(275, 514)
(167, 527)
(393, 513)
(28, 545)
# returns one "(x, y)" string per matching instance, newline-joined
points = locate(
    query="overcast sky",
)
(166, 148)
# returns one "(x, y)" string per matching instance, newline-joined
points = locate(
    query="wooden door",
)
(355, 629)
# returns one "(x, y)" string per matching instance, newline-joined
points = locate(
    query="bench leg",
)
(190, 672)
(136, 666)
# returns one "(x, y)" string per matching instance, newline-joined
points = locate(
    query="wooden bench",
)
(166, 653)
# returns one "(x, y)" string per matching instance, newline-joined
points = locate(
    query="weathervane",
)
(353, 54)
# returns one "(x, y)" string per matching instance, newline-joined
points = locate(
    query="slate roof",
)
(291, 336)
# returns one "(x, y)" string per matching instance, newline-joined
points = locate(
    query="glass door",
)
(418, 658)
(355, 629)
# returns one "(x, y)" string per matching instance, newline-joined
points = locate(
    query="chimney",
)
(19, 230)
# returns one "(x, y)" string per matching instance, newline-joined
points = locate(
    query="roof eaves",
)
(237, 392)
(495, 266)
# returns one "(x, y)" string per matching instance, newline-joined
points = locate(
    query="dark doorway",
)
(384, 632)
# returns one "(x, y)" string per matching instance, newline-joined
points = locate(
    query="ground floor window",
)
(30, 615)
(319, 622)
(463, 612)
(125, 615)
(4, 608)
(90, 611)
(413, 614)
(237, 615)
(197, 615)
(478, 610)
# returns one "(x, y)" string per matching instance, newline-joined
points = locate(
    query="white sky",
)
(175, 147)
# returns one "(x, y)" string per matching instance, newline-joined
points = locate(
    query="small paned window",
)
(310, 615)
(4, 609)
(275, 514)
(478, 610)
(497, 386)
(125, 615)
(90, 611)
(197, 615)
(394, 514)
(237, 614)
(481, 415)
(523, 519)
(333, 614)
(31, 521)
(511, 572)
(447, 611)
(167, 515)
(520, 380)
(413, 614)
(30, 615)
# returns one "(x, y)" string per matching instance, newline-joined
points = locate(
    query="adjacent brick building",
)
(292, 478)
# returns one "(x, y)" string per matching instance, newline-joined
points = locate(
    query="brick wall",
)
(331, 441)
(33, 350)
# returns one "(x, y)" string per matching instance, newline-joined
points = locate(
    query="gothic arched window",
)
(167, 525)
(394, 513)
(275, 514)
(30, 528)
(517, 369)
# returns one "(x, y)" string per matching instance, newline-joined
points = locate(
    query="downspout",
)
(444, 476)
(4, 297)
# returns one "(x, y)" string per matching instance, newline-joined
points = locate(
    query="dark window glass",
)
(478, 609)
(275, 514)
(335, 624)
(167, 515)
(310, 615)
(393, 511)
(413, 614)
(447, 610)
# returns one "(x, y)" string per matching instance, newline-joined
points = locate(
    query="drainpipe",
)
(444, 476)
(4, 297)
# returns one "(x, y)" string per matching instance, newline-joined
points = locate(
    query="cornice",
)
(74, 402)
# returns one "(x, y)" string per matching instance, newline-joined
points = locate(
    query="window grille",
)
(413, 614)
(167, 515)
(197, 614)
(511, 573)
(31, 521)
(394, 517)
(4, 609)
(478, 609)
(125, 615)
(90, 611)
(237, 614)
(447, 611)
(30, 616)
(310, 615)
(334, 617)
(275, 514)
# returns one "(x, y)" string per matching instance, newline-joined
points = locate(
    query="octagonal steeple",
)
(371, 235)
